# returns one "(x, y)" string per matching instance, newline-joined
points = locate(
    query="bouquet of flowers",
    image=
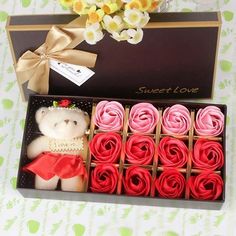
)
(123, 19)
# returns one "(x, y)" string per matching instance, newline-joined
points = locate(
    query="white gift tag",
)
(74, 73)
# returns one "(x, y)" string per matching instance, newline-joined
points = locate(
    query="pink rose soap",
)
(143, 118)
(176, 120)
(109, 116)
(209, 121)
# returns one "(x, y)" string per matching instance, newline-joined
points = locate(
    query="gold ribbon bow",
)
(34, 66)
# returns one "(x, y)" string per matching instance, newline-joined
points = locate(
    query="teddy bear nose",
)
(66, 121)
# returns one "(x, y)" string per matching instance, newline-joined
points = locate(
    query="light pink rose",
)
(143, 118)
(176, 120)
(109, 116)
(209, 121)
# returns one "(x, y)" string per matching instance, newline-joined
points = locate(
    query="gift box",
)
(189, 168)
(176, 58)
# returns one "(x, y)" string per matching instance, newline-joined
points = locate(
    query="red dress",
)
(48, 164)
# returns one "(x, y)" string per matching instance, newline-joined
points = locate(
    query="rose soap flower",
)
(106, 147)
(170, 184)
(139, 149)
(172, 152)
(143, 118)
(104, 178)
(176, 120)
(208, 155)
(137, 181)
(205, 186)
(209, 121)
(109, 116)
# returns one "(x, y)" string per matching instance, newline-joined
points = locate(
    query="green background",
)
(19, 216)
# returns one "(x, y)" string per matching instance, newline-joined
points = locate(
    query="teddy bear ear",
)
(41, 112)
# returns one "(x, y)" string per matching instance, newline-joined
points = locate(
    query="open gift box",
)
(176, 58)
(155, 167)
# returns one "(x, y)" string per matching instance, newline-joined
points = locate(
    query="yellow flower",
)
(93, 33)
(66, 3)
(154, 6)
(114, 24)
(133, 17)
(95, 15)
(145, 4)
(120, 37)
(136, 36)
(134, 4)
(110, 8)
(80, 7)
(119, 3)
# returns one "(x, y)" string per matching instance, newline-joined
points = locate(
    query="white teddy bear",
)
(60, 151)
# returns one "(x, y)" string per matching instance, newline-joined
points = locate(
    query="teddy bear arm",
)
(39, 145)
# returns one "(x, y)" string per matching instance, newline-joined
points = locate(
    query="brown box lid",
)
(176, 58)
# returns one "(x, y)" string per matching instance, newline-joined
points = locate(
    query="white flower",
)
(120, 37)
(114, 24)
(144, 19)
(136, 36)
(93, 33)
(133, 17)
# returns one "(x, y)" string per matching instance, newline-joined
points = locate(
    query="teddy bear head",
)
(62, 123)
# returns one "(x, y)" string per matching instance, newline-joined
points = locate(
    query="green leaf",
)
(146, 216)
(55, 103)
(10, 205)
(22, 123)
(186, 10)
(9, 223)
(148, 233)
(7, 104)
(101, 230)
(219, 219)
(55, 227)
(126, 212)
(18, 145)
(226, 47)
(2, 138)
(33, 226)
(72, 106)
(170, 233)
(81, 208)
(25, 3)
(227, 120)
(221, 85)
(3, 16)
(1, 160)
(100, 212)
(10, 86)
(228, 15)
(225, 65)
(10, 70)
(78, 229)
(125, 231)
(44, 3)
(193, 219)
(173, 215)
(13, 182)
(35, 204)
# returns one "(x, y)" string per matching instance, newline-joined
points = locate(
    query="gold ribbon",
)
(34, 66)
